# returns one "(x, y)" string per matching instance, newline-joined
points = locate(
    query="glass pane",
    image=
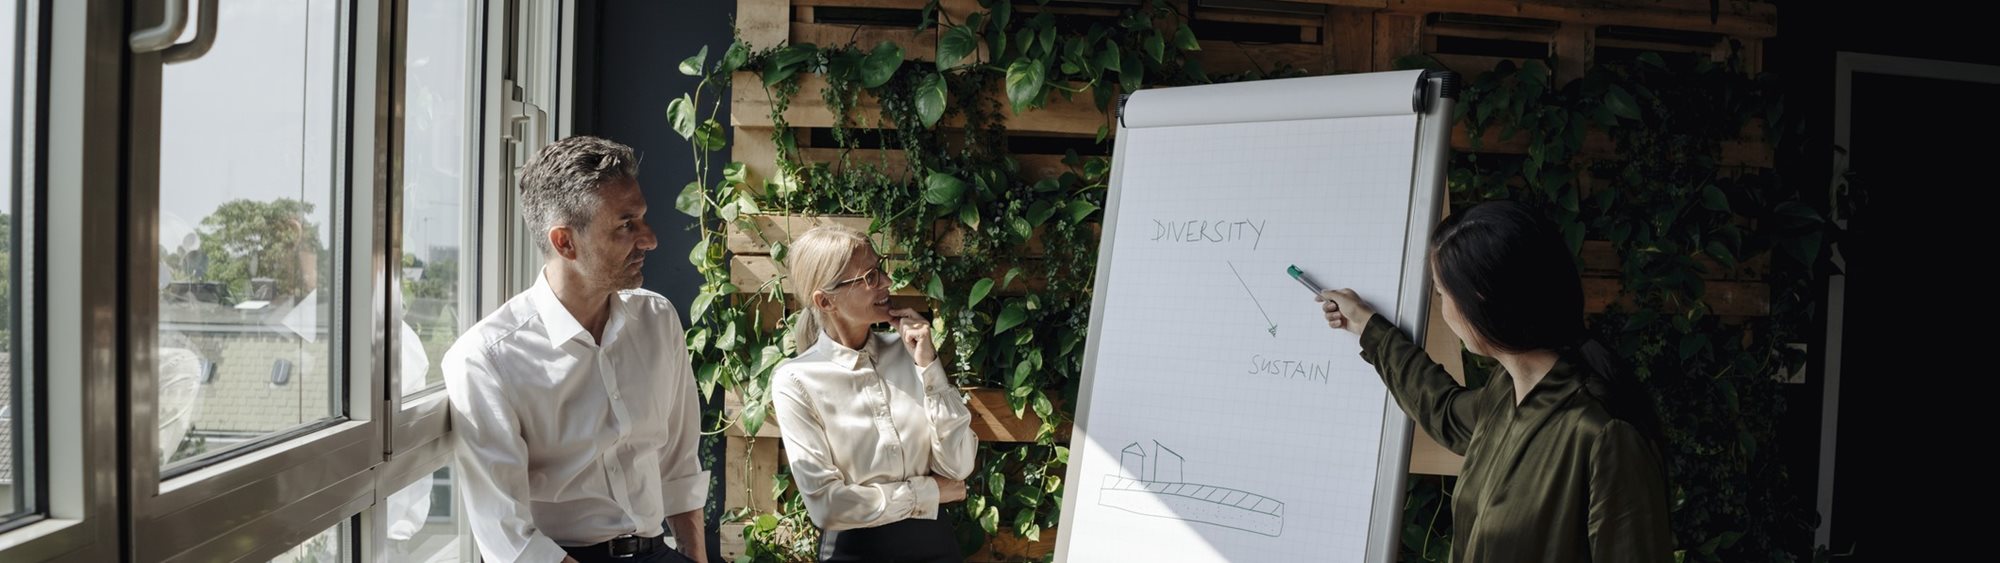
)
(248, 156)
(423, 524)
(330, 546)
(14, 452)
(436, 194)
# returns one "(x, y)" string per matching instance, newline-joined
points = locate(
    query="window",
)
(16, 461)
(249, 231)
(437, 249)
(330, 546)
(423, 522)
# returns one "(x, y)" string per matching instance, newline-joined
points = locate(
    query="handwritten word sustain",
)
(1206, 231)
(1315, 372)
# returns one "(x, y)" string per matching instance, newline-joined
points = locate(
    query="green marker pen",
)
(1300, 275)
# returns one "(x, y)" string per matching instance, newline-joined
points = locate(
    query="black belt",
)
(622, 547)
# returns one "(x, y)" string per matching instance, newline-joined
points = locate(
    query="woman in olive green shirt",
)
(1563, 455)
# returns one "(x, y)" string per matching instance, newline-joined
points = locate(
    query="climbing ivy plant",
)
(1005, 254)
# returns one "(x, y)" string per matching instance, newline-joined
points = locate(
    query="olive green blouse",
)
(1553, 479)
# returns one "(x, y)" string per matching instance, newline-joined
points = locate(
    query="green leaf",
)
(690, 200)
(1024, 82)
(1184, 39)
(753, 416)
(1043, 408)
(728, 212)
(1039, 212)
(699, 254)
(998, 487)
(1103, 130)
(990, 521)
(1021, 373)
(1010, 317)
(1721, 254)
(1131, 73)
(1048, 39)
(943, 189)
(1652, 58)
(1713, 198)
(1156, 48)
(1023, 520)
(936, 288)
(931, 96)
(709, 136)
(956, 44)
(1022, 230)
(1108, 57)
(701, 303)
(979, 291)
(969, 214)
(692, 65)
(1012, 273)
(681, 114)
(733, 58)
(736, 173)
(975, 503)
(1062, 455)
(881, 64)
(1620, 102)
(1078, 210)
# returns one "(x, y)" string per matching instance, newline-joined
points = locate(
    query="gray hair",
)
(560, 186)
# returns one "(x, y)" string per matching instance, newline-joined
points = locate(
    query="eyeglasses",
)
(874, 278)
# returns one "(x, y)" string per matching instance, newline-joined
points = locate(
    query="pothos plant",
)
(1675, 211)
(1005, 255)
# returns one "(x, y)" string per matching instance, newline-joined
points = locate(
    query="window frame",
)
(256, 487)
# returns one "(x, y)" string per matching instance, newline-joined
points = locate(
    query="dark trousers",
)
(908, 541)
(666, 555)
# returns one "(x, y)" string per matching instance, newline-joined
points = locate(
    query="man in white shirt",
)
(574, 404)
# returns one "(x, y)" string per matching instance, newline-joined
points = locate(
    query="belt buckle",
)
(626, 541)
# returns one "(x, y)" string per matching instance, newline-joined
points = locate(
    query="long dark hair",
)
(1517, 285)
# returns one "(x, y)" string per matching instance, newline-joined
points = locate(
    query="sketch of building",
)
(1152, 485)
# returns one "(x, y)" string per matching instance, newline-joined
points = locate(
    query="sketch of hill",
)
(1152, 485)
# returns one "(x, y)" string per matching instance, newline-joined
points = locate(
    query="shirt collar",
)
(848, 357)
(561, 326)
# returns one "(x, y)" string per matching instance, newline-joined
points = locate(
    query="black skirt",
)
(913, 540)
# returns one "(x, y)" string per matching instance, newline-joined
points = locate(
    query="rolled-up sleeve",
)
(492, 463)
(683, 483)
(953, 443)
(831, 501)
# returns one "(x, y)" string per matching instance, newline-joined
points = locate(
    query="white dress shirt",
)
(562, 440)
(865, 429)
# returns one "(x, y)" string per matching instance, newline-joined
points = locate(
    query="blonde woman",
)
(876, 435)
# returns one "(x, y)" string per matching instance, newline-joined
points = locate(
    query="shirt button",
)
(614, 394)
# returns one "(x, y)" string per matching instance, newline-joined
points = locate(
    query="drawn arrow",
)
(1253, 299)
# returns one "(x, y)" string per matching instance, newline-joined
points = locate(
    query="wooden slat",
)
(901, 4)
(750, 273)
(752, 468)
(1351, 36)
(1574, 48)
(1224, 57)
(762, 23)
(753, 147)
(1598, 258)
(1471, 65)
(1724, 298)
(920, 46)
(1746, 19)
(949, 234)
(783, 228)
(1396, 36)
(1749, 150)
(1303, 21)
(1347, 3)
(992, 419)
(750, 106)
(1480, 32)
